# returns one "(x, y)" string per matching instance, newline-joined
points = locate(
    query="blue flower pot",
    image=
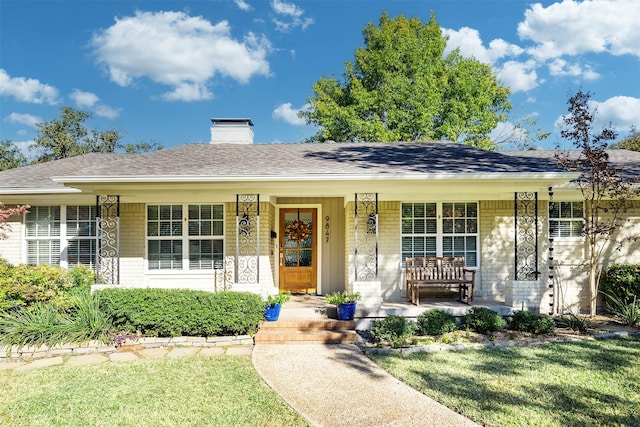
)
(346, 311)
(272, 313)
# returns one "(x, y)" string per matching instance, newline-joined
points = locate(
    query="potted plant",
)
(274, 302)
(345, 303)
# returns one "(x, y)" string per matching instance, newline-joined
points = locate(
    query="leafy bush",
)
(627, 313)
(46, 324)
(483, 320)
(176, 312)
(574, 322)
(393, 329)
(435, 322)
(622, 282)
(28, 285)
(529, 321)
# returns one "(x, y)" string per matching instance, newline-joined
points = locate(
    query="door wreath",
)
(298, 230)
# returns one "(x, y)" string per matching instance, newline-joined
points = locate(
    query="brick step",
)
(292, 336)
(308, 324)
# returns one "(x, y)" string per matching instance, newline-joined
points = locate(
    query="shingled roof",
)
(282, 160)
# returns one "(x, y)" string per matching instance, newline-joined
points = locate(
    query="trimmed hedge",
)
(622, 281)
(435, 322)
(27, 285)
(393, 329)
(182, 312)
(528, 321)
(483, 320)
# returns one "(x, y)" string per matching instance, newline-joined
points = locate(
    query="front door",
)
(298, 250)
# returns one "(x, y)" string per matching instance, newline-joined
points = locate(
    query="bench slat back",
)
(434, 268)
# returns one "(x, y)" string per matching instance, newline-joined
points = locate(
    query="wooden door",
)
(298, 250)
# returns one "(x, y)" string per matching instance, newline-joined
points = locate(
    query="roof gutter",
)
(568, 176)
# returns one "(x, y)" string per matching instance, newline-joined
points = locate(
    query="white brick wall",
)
(11, 247)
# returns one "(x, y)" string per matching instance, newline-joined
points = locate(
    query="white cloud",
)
(292, 16)
(575, 27)
(243, 5)
(84, 99)
(27, 90)
(23, 119)
(288, 114)
(470, 43)
(622, 111)
(106, 111)
(560, 67)
(180, 51)
(91, 101)
(519, 76)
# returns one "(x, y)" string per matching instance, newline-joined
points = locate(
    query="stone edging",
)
(32, 353)
(367, 348)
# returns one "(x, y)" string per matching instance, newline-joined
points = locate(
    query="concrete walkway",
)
(337, 385)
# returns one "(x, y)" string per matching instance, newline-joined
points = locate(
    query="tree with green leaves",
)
(606, 194)
(631, 142)
(11, 156)
(401, 87)
(68, 136)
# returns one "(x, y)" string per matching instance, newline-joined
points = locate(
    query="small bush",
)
(483, 320)
(28, 285)
(627, 313)
(574, 322)
(621, 281)
(435, 322)
(393, 329)
(177, 312)
(528, 321)
(46, 324)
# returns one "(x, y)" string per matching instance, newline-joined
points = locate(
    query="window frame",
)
(568, 219)
(62, 236)
(187, 238)
(439, 235)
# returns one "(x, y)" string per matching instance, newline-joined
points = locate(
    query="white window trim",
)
(550, 218)
(62, 237)
(185, 238)
(439, 234)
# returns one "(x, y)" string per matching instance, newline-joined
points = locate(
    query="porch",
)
(308, 306)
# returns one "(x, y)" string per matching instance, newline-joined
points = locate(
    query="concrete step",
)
(306, 331)
(293, 336)
(302, 324)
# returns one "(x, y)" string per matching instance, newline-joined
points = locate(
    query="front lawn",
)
(566, 384)
(189, 391)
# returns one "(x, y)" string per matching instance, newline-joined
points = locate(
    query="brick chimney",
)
(231, 131)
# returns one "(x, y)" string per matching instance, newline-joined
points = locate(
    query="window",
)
(61, 235)
(81, 235)
(42, 225)
(172, 247)
(566, 219)
(440, 229)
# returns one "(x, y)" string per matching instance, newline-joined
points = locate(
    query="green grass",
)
(584, 383)
(188, 391)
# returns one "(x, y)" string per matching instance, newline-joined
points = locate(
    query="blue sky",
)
(159, 70)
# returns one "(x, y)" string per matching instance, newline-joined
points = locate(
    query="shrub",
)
(46, 324)
(528, 321)
(483, 320)
(622, 282)
(627, 313)
(435, 322)
(393, 329)
(574, 322)
(176, 312)
(28, 285)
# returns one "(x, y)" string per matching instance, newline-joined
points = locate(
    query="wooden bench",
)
(438, 271)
